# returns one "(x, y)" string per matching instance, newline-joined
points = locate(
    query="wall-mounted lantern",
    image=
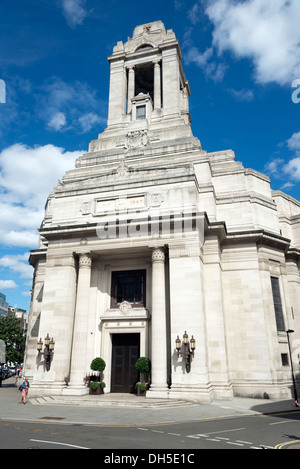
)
(189, 348)
(48, 350)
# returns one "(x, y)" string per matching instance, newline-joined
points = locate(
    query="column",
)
(171, 82)
(78, 358)
(157, 86)
(159, 386)
(117, 93)
(131, 88)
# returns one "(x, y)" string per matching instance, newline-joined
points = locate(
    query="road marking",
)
(58, 443)
(217, 439)
(287, 443)
(233, 443)
(225, 431)
(279, 423)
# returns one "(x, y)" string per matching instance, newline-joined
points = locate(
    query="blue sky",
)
(241, 57)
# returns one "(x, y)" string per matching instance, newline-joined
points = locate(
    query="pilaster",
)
(78, 360)
(159, 386)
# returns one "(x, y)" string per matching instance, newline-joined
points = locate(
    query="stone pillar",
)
(53, 308)
(131, 88)
(117, 93)
(171, 82)
(159, 386)
(187, 313)
(78, 358)
(157, 86)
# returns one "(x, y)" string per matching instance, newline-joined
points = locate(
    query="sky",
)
(241, 58)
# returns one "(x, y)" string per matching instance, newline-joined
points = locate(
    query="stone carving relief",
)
(122, 170)
(156, 200)
(136, 139)
(125, 307)
(85, 208)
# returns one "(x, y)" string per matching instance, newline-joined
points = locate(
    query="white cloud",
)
(58, 121)
(194, 13)
(74, 12)
(205, 61)
(292, 169)
(7, 284)
(274, 167)
(287, 185)
(17, 263)
(266, 32)
(59, 103)
(88, 120)
(27, 176)
(242, 95)
(294, 142)
(287, 171)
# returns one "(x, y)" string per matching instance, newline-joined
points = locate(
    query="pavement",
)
(127, 409)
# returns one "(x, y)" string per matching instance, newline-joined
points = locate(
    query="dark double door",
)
(125, 352)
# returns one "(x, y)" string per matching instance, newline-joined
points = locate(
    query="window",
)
(128, 286)
(284, 359)
(144, 47)
(141, 112)
(144, 79)
(277, 304)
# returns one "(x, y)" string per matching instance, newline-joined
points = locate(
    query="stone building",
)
(151, 236)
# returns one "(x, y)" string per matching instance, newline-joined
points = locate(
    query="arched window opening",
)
(144, 47)
(144, 80)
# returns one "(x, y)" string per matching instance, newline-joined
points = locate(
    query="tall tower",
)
(148, 92)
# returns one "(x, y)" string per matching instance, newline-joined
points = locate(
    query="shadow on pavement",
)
(277, 408)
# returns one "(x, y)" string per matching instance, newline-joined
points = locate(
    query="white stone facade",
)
(201, 235)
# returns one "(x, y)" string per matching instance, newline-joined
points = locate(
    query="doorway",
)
(125, 352)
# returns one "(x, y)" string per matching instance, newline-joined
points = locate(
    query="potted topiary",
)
(96, 384)
(97, 388)
(143, 366)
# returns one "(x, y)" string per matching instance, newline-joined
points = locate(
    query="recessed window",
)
(141, 112)
(284, 359)
(144, 47)
(128, 286)
(277, 304)
(144, 79)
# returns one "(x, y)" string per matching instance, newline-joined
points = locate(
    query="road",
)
(246, 432)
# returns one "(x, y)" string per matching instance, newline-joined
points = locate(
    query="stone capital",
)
(158, 255)
(85, 261)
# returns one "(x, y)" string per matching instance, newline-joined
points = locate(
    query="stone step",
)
(101, 401)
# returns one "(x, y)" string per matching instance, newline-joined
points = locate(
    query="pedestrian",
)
(24, 388)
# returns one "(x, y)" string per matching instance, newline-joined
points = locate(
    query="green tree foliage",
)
(143, 365)
(98, 364)
(12, 333)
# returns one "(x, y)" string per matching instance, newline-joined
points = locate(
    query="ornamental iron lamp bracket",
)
(189, 348)
(48, 350)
